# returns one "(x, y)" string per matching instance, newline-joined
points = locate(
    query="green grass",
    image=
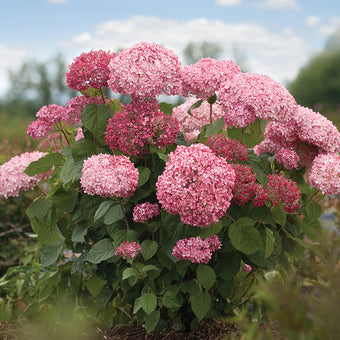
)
(13, 127)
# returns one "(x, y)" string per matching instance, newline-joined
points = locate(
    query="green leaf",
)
(227, 272)
(164, 157)
(195, 106)
(113, 214)
(313, 210)
(152, 320)
(70, 170)
(148, 268)
(78, 234)
(102, 210)
(101, 251)
(144, 175)
(125, 235)
(148, 302)
(115, 105)
(49, 253)
(166, 108)
(94, 285)
(128, 272)
(206, 276)
(44, 164)
(171, 299)
(215, 127)
(213, 229)
(94, 118)
(270, 241)
(200, 305)
(279, 215)
(149, 249)
(244, 237)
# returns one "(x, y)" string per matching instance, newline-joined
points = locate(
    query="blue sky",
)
(276, 37)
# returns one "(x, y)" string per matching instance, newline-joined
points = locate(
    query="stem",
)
(241, 284)
(63, 132)
(123, 211)
(309, 199)
(147, 286)
(41, 190)
(265, 215)
(211, 107)
(242, 133)
(102, 94)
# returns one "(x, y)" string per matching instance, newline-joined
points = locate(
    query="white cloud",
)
(331, 26)
(57, 1)
(312, 21)
(9, 59)
(278, 55)
(228, 2)
(278, 4)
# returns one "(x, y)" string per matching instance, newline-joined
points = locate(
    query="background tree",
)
(193, 52)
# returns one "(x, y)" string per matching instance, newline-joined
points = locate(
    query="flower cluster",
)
(139, 125)
(196, 185)
(48, 115)
(143, 212)
(284, 192)
(248, 96)
(145, 70)
(191, 125)
(230, 149)
(325, 173)
(90, 69)
(128, 250)
(204, 78)
(13, 180)
(196, 249)
(288, 158)
(109, 175)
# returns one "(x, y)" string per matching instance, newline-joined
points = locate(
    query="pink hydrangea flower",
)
(245, 184)
(284, 135)
(203, 78)
(230, 149)
(48, 115)
(195, 249)
(196, 185)
(267, 145)
(145, 211)
(75, 106)
(191, 125)
(90, 69)
(13, 180)
(260, 196)
(325, 173)
(139, 125)
(316, 129)
(248, 96)
(109, 175)
(283, 192)
(79, 135)
(128, 250)
(288, 158)
(145, 70)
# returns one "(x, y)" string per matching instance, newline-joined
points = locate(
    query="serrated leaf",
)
(113, 214)
(49, 253)
(128, 272)
(144, 175)
(44, 164)
(102, 210)
(228, 272)
(115, 105)
(215, 127)
(100, 251)
(148, 268)
(164, 157)
(270, 241)
(94, 285)
(201, 304)
(171, 299)
(149, 249)
(313, 210)
(279, 215)
(244, 237)
(152, 320)
(78, 234)
(166, 108)
(148, 302)
(206, 276)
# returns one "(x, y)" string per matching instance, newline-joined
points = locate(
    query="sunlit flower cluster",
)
(109, 175)
(13, 180)
(196, 249)
(288, 158)
(196, 185)
(145, 70)
(128, 250)
(90, 69)
(143, 212)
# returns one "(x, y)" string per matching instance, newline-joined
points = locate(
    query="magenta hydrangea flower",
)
(128, 250)
(13, 180)
(204, 78)
(284, 192)
(109, 175)
(260, 196)
(48, 115)
(191, 125)
(325, 173)
(90, 69)
(145, 70)
(139, 125)
(75, 106)
(230, 149)
(316, 129)
(288, 158)
(195, 249)
(196, 185)
(143, 212)
(248, 96)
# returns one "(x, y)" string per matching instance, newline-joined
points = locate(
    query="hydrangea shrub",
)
(169, 214)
